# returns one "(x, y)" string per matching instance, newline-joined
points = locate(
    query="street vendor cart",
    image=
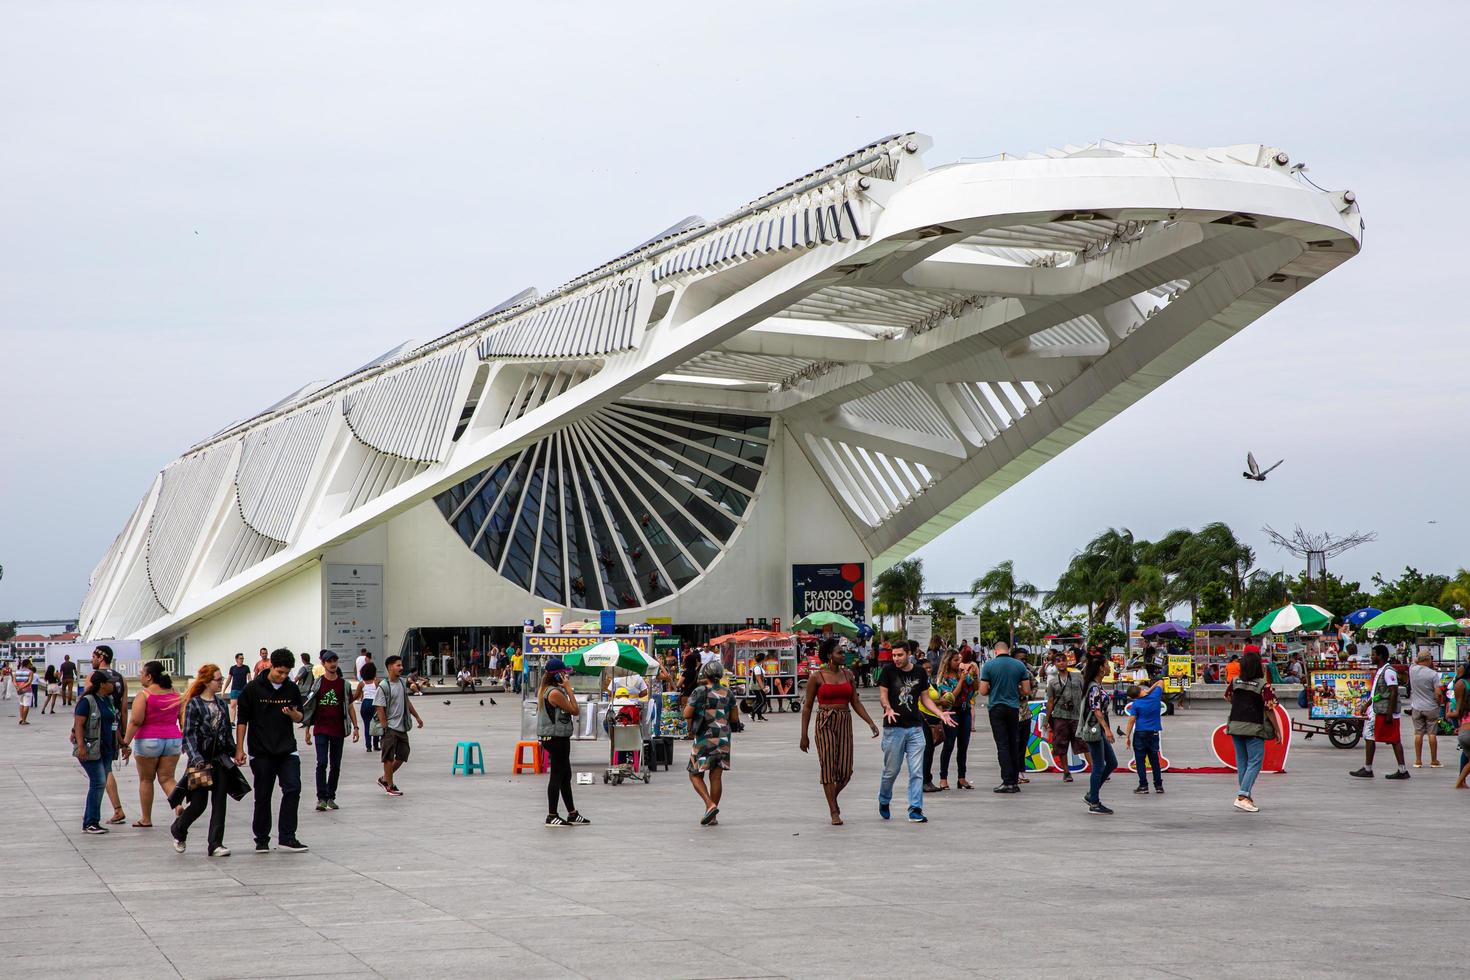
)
(1337, 703)
(738, 651)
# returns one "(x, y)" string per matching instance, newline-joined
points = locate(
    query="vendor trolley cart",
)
(628, 756)
(738, 655)
(1337, 701)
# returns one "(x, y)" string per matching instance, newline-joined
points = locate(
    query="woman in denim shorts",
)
(155, 736)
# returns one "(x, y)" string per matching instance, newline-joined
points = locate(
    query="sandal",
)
(139, 823)
(118, 818)
(966, 784)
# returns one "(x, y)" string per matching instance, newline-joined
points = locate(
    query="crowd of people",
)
(929, 701)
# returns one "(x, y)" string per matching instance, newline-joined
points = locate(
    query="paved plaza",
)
(460, 878)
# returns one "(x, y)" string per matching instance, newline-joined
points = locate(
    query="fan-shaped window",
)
(618, 510)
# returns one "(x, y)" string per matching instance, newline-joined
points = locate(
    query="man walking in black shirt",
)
(267, 712)
(239, 679)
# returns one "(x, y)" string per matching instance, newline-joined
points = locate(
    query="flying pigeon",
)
(1254, 472)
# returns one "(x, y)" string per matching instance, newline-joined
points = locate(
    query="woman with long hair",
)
(957, 683)
(154, 736)
(53, 689)
(94, 743)
(1095, 730)
(208, 737)
(1252, 704)
(556, 706)
(833, 689)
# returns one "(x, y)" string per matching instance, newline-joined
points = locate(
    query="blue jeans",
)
(902, 745)
(96, 784)
(1145, 753)
(1253, 751)
(328, 765)
(1104, 761)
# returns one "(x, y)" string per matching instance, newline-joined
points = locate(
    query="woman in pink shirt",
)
(155, 736)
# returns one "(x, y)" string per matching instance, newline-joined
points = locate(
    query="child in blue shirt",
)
(1144, 728)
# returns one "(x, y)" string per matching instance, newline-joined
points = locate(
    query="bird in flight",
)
(1254, 471)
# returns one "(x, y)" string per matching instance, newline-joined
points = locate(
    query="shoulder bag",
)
(1089, 729)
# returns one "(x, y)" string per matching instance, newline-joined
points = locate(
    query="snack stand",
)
(1214, 645)
(538, 648)
(1337, 700)
(738, 650)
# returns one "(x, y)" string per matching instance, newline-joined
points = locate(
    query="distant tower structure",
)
(1315, 548)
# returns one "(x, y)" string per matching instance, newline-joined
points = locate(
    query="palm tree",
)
(1000, 587)
(1457, 593)
(1146, 588)
(1115, 554)
(897, 589)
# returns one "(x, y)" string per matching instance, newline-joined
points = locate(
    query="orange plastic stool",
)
(538, 759)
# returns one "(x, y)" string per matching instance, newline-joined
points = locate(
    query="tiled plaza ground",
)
(459, 878)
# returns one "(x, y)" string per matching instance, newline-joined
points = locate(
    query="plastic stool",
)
(468, 758)
(538, 758)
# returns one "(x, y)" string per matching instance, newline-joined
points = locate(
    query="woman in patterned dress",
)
(834, 690)
(710, 710)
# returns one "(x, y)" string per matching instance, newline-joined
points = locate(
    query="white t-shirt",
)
(1386, 679)
(1424, 688)
(705, 656)
(361, 659)
(636, 685)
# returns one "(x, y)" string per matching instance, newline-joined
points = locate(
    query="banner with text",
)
(920, 629)
(839, 588)
(967, 630)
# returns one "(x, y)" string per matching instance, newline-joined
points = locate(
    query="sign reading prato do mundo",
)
(839, 587)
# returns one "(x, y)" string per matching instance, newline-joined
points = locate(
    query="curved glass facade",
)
(617, 510)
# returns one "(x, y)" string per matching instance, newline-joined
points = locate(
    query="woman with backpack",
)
(208, 737)
(94, 742)
(1094, 729)
(1252, 721)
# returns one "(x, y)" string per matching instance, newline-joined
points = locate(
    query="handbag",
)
(1089, 729)
(1380, 702)
(199, 776)
(1268, 723)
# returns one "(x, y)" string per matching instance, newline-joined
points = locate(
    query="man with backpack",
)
(393, 710)
(326, 715)
(1383, 716)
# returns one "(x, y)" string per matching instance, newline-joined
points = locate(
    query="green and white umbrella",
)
(1289, 619)
(1414, 617)
(815, 622)
(610, 653)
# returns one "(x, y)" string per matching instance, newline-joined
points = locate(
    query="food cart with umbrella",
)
(629, 721)
(737, 652)
(1334, 694)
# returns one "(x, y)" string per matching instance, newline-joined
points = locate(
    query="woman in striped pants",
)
(835, 693)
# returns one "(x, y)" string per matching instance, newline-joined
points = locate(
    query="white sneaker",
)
(1247, 805)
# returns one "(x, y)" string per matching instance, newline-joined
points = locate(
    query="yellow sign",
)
(1181, 672)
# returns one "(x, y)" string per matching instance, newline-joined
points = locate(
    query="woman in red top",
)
(832, 687)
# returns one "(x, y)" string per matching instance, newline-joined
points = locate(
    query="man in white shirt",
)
(636, 686)
(1384, 723)
(1424, 702)
(706, 655)
(363, 658)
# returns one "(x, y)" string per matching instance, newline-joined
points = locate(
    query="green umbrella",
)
(1289, 619)
(610, 653)
(814, 622)
(1413, 617)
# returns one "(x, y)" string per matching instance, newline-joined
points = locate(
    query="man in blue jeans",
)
(1144, 729)
(902, 687)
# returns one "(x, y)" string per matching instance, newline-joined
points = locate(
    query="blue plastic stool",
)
(467, 759)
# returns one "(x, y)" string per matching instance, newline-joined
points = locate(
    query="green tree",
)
(1000, 587)
(897, 589)
(1332, 593)
(1412, 587)
(1454, 598)
(1106, 636)
(1263, 592)
(7, 631)
(1214, 604)
(944, 610)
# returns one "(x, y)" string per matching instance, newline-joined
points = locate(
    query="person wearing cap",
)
(556, 706)
(711, 711)
(325, 715)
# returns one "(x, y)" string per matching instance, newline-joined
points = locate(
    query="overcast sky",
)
(204, 207)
